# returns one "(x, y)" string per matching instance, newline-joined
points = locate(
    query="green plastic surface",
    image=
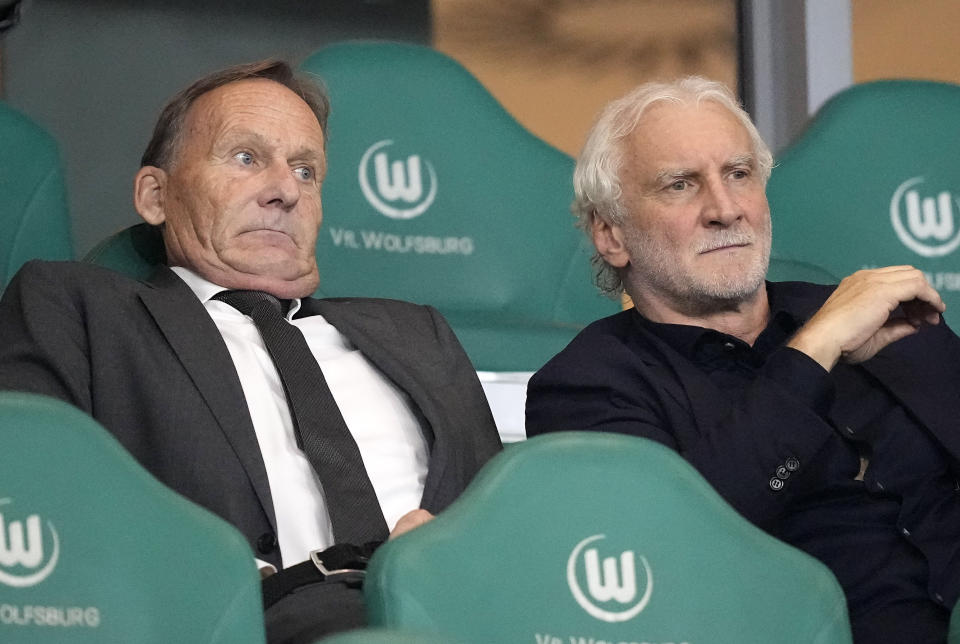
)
(485, 235)
(115, 555)
(133, 251)
(875, 181)
(506, 562)
(33, 203)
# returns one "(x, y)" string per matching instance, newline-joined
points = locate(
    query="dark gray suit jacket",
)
(146, 360)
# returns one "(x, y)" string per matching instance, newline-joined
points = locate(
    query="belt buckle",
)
(316, 556)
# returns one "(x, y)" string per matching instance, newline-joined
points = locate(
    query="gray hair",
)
(596, 179)
(168, 132)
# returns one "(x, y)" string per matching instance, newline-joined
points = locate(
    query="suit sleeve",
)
(464, 435)
(485, 439)
(740, 445)
(43, 346)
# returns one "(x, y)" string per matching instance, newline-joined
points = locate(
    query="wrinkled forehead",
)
(254, 97)
(255, 102)
(681, 114)
(251, 96)
(673, 131)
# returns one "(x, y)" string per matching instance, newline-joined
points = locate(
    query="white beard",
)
(655, 267)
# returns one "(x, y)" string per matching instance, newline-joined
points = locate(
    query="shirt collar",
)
(800, 304)
(205, 289)
(787, 314)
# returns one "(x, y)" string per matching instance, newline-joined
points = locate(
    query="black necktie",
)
(321, 432)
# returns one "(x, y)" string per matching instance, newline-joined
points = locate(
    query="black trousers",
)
(908, 622)
(316, 610)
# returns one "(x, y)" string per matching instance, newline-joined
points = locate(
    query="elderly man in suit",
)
(182, 371)
(826, 415)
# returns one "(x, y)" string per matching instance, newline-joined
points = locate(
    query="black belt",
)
(344, 562)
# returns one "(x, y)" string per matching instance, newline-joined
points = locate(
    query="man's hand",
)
(409, 521)
(858, 319)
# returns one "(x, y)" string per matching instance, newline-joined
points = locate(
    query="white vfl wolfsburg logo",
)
(930, 230)
(612, 581)
(23, 548)
(397, 181)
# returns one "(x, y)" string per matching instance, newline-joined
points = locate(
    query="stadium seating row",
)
(435, 194)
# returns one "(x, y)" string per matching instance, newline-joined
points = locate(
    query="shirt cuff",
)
(803, 376)
(266, 569)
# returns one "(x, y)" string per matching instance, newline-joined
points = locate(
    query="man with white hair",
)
(820, 413)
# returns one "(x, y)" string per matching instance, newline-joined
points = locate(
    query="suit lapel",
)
(377, 333)
(204, 356)
(397, 353)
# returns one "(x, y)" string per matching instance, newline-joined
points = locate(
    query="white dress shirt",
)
(378, 414)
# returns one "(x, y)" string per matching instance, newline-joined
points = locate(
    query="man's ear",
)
(149, 190)
(609, 241)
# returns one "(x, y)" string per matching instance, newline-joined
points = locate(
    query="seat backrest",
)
(435, 194)
(874, 181)
(580, 537)
(33, 203)
(134, 251)
(94, 549)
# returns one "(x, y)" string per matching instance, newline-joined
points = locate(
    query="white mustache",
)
(724, 238)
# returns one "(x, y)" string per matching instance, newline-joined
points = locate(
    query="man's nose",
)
(281, 188)
(720, 207)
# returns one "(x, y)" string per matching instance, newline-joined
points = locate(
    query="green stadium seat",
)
(581, 537)
(435, 194)
(93, 549)
(875, 181)
(33, 202)
(134, 251)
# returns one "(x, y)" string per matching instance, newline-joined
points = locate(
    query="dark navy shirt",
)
(900, 516)
(783, 441)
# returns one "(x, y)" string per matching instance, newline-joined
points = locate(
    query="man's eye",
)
(740, 174)
(304, 173)
(244, 157)
(678, 185)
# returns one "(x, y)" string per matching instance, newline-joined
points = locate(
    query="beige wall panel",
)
(906, 39)
(554, 63)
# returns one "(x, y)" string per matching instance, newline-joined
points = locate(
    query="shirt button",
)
(776, 484)
(938, 597)
(792, 464)
(849, 431)
(905, 532)
(880, 486)
(783, 472)
(728, 346)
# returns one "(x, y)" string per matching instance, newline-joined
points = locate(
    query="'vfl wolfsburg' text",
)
(546, 638)
(391, 243)
(66, 617)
